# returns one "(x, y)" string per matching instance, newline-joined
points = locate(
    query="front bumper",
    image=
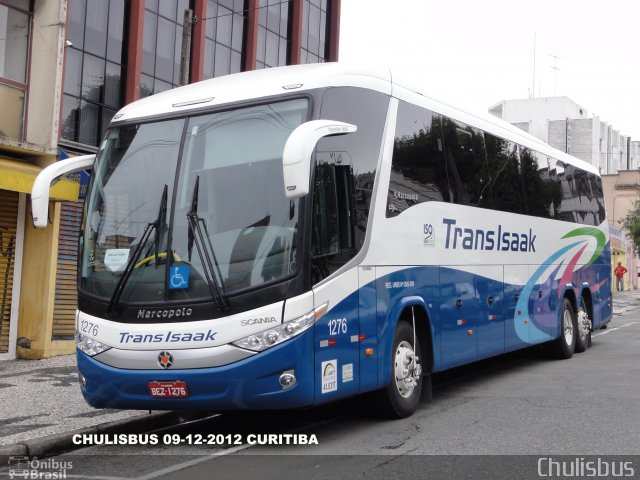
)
(252, 383)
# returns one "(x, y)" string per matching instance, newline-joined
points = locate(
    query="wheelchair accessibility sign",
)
(179, 277)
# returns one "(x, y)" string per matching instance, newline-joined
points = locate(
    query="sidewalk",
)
(42, 408)
(624, 302)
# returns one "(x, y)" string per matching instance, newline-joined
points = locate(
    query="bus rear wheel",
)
(583, 332)
(402, 396)
(564, 346)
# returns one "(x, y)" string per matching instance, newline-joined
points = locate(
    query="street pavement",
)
(43, 406)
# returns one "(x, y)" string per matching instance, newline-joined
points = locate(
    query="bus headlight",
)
(274, 336)
(89, 346)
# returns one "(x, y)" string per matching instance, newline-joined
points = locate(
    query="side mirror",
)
(42, 185)
(296, 158)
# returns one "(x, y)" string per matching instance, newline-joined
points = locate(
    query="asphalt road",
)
(493, 419)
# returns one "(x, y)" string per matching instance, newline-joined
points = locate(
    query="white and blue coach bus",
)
(288, 237)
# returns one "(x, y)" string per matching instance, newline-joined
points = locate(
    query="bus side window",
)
(418, 170)
(537, 190)
(598, 193)
(505, 174)
(466, 163)
(567, 211)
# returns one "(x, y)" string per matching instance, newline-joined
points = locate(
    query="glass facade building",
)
(224, 33)
(94, 68)
(120, 50)
(314, 30)
(273, 34)
(162, 45)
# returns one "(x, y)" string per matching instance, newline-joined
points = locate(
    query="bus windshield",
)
(226, 220)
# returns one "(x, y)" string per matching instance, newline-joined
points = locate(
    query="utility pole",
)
(185, 54)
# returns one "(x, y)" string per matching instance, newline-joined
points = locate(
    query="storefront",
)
(620, 254)
(23, 256)
(11, 236)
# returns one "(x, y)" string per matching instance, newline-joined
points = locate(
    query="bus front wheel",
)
(402, 396)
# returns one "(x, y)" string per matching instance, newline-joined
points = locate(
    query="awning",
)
(19, 177)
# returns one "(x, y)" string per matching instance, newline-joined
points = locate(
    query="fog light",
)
(288, 379)
(82, 380)
(272, 337)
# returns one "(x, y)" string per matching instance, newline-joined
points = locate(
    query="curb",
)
(63, 442)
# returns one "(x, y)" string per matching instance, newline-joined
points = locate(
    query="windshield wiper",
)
(150, 227)
(161, 224)
(199, 235)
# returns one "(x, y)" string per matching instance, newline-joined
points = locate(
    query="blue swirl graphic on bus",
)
(529, 332)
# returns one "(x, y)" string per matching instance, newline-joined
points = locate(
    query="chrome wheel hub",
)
(567, 326)
(584, 324)
(407, 369)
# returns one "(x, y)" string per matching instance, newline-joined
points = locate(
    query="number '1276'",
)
(337, 326)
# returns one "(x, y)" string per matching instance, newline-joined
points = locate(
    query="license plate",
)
(176, 389)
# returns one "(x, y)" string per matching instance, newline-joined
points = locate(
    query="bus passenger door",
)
(516, 330)
(490, 327)
(332, 246)
(458, 314)
(368, 328)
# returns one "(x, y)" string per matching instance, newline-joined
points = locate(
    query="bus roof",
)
(255, 84)
(277, 81)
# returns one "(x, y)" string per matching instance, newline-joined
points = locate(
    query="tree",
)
(631, 224)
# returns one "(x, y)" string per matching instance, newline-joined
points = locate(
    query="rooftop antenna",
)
(555, 74)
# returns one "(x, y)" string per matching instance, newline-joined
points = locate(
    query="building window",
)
(223, 37)
(14, 49)
(162, 45)
(314, 31)
(273, 24)
(94, 68)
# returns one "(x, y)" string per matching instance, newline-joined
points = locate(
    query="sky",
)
(473, 54)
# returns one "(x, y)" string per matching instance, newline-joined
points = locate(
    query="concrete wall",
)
(37, 295)
(537, 112)
(589, 139)
(621, 193)
(635, 156)
(578, 132)
(45, 85)
(526, 126)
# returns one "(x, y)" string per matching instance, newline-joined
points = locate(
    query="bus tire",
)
(564, 346)
(583, 338)
(400, 398)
